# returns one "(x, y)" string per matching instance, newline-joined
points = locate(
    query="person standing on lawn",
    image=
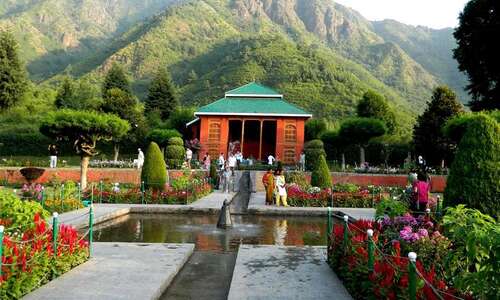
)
(53, 156)
(280, 188)
(268, 182)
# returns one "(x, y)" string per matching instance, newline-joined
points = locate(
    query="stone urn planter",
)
(31, 174)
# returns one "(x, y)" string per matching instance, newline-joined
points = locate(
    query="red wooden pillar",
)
(280, 138)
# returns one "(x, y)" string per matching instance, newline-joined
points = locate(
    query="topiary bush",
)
(321, 177)
(474, 177)
(31, 174)
(175, 153)
(313, 150)
(154, 170)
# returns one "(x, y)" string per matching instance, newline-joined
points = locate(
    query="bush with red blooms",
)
(389, 278)
(316, 197)
(28, 259)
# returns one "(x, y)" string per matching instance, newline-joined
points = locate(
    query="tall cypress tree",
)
(428, 138)
(13, 79)
(66, 94)
(374, 105)
(162, 95)
(116, 79)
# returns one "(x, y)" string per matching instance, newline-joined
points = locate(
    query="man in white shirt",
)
(239, 158)
(270, 160)
(231, 162)
(140, 159)
(220, 161)
(189, 156)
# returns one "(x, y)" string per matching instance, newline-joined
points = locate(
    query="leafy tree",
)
(116, 79)
(334, 146)
(314, 128)
(474, 177)
(83, 129)
(374, 105)
(428, 138)
(66, 95)
(456, 127)
(162, 136)
(162, 95)
(477, 52)
(154, 170)
(320, 176)
(359, 131)
(180, 117)
(13, 79)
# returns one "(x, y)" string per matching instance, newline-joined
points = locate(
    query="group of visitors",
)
(275, 185)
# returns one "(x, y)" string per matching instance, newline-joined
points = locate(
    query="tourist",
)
(232, 163)
(140, 159)
(221, 161)
(189, 157)
(421, 190)
(302, 161)
(239, 158)
(53, 156)
(226, 179)
(206, 161)
(270, 160)
(268, 182)
(280, 185)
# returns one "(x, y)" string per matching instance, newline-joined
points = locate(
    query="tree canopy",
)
(428, 137)
(359, 131)
(314, 128)
(13, 79)
(477, 52)
(162, 95)
(116, 78)
(374, 105)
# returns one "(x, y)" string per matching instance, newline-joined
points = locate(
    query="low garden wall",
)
(13, 176)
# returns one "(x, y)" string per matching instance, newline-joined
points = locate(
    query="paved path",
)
(119, 271)
(257, 206)
(264, 272)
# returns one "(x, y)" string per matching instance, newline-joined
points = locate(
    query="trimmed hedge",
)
(154, 170)
(474, 177)
(321, 177)
(175, 153)
(313, 150)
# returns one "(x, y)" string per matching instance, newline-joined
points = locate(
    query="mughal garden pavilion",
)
(254, 119)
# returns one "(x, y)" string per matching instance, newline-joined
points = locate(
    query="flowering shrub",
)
(32, 191)
(393, 240)
(29, 259)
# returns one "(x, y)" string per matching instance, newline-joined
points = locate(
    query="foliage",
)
(314, 128)
(391, 208)
(162, 95)
(162, 136)
(456, 127)
(475, 173)
(175, 152)
(83, 128)
(78, 94)
(154, 170)
(313, 150)
(428, 138)
(33, 262)
(297, 177)
(374, 105)
(359, 131)
(13, 81)
(476, 52)
(320, 176)
(18, 213)
(180, 117)
(473, 262)
(116, 79)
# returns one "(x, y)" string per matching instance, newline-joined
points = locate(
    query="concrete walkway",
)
(119, 271)
(265, 272)
(257, 206)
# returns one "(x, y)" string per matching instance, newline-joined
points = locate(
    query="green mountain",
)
(322, 55)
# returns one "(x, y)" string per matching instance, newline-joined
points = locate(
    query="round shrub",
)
(474, 177)
(154, 170)
(163, 136)
(321, 177)
(313, 150)
(314, 128)
(175, 153)
(176, 141)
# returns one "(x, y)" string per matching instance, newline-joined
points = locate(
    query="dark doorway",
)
(268, 139)
(251, 141)
(234, 139)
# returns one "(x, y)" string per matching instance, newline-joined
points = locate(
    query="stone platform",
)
(276, 272)
(119, 271)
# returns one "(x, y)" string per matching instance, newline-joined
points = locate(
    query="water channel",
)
(208, 273)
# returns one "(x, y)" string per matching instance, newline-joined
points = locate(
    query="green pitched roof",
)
(252, 106)
(253, 89)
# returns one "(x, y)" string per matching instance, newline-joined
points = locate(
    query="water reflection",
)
(201, 230)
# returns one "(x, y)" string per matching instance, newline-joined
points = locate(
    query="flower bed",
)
(29, 258)
(341, 195)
